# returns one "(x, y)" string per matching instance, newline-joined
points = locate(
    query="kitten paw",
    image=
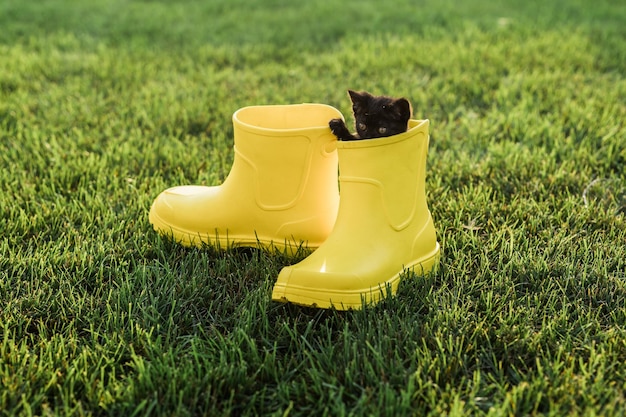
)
(336, 125)
(339, 129)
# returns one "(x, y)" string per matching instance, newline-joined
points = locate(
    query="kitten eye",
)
(382, 130)
(362, 126)
(384, 107)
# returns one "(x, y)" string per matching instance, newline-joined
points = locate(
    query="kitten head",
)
(379, 116)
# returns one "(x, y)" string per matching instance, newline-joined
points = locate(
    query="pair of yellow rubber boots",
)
(283, 192)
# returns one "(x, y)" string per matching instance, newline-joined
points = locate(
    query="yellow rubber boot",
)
(383, 226)
(281, 192)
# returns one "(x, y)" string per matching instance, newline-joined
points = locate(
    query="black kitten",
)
(375, 117)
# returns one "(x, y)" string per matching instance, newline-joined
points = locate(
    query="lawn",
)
(104, 104)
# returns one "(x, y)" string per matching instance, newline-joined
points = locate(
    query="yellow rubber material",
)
(383, 227)
(282, 190)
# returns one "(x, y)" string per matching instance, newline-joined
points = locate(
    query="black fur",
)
(375, 117)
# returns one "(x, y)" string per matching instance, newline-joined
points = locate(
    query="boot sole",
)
(199, 240)
(354, 299)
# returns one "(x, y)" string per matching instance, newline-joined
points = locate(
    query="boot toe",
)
(180, 212)
(324, 289)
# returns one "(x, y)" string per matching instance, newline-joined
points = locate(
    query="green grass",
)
(104, 104)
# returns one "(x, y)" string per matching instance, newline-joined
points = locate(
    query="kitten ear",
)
(402, 108)
(359, 99)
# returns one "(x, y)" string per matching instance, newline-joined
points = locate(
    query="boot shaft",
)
(386, 174)
(286, 147)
